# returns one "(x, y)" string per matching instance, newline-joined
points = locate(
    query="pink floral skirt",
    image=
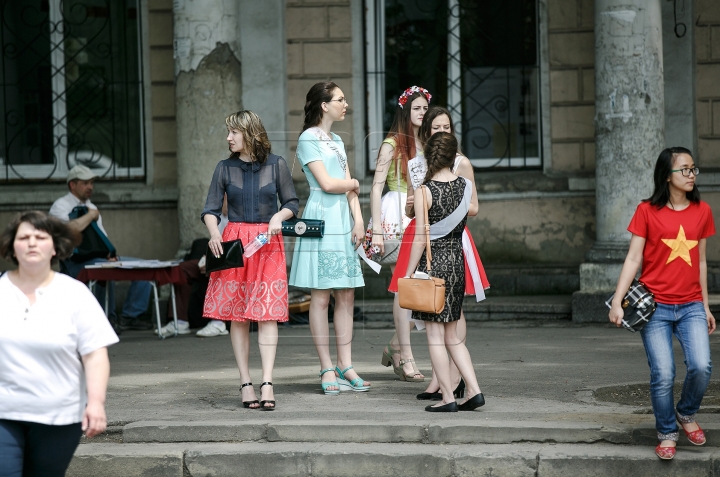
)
(257, 291)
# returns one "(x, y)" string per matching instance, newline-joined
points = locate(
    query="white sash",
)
(320, 134)
(445, 226)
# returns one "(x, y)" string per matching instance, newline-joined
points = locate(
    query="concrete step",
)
(345, 431)
(378, 459)
(494, 308)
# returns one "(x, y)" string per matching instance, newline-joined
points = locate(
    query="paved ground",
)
(527, 371)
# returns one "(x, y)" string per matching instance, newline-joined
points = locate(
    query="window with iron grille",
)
(71, 89)
(478, 59)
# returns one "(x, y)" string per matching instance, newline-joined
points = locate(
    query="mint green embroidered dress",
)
(329, 262)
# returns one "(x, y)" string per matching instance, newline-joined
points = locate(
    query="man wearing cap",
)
(80, 182)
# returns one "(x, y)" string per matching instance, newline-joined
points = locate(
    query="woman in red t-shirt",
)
(669, 233)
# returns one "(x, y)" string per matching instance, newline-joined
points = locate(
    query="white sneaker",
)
(169, 329)
(211, 329)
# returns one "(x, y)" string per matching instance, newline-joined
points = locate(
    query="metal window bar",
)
(97, 109)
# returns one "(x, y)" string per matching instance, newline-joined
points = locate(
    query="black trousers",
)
(30, 449)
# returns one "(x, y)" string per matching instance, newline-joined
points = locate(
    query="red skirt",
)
(404, 258)
(257, 291)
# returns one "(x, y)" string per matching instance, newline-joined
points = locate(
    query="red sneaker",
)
(665, 453)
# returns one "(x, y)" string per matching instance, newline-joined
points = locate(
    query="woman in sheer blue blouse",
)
(255, 181)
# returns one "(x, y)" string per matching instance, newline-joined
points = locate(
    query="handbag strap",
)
(428, 251)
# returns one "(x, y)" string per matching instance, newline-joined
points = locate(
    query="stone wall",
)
(319, 48)
(707, 86)
(162, 93)
(571, 44)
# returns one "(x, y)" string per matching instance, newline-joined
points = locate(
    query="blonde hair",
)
(255, 138)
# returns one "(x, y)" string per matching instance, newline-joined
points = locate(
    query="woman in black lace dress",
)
(449, 198)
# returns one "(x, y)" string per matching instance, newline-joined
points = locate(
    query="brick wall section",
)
(571, 42)
(162, 91)
(707, 86)
(318, 49)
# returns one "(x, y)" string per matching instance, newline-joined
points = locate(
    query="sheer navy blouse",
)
(253, 190)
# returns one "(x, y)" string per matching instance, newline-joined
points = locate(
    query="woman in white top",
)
(54, 365)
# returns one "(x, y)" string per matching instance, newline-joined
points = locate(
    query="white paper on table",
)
(374, 265)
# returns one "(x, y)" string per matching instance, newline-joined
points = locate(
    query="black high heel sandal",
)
(266, 401)
(247, 404)
(460, 389)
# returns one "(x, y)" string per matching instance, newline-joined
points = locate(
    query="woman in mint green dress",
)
(330, 263)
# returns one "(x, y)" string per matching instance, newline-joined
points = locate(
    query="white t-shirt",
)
(41, 373)
(62, 207)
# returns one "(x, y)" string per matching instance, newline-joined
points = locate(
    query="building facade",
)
(543, 92)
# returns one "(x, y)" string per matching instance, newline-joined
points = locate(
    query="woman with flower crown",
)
(388, 221)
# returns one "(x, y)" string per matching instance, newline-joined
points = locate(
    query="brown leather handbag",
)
(423, 294)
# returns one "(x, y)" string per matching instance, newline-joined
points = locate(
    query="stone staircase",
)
(319, 447)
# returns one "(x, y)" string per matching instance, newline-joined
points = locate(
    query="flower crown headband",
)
(410, 91)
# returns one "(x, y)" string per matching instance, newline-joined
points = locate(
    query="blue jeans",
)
(688, 322)
(136, 302)
(29, 449)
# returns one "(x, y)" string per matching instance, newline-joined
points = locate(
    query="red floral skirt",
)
(404, 258)
(257, 291)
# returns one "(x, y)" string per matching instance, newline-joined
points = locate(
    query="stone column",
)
(208, 88)
(262, 29)
(629, 135)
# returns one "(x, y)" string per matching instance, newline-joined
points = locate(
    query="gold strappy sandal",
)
(411, 376)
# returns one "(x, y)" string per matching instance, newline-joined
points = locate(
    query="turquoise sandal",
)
(327, 384)
(356, 384)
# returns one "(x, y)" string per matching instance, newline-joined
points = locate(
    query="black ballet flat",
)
(247, 404)
(266, 401)
(429, 396)
(473, 403)
(449, 407)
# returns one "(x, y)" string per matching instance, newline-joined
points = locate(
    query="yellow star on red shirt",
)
(680, 247)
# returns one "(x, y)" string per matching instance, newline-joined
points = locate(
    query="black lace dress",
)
(448, 260)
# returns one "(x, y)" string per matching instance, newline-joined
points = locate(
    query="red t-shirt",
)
(671, 257)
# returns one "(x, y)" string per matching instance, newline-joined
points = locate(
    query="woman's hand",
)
(710, 320)
(356, 187)
(616, 314)
(275, 225)
(358, 233)
(378, 242)
(410, 206)
(215, 245)
(94, 421)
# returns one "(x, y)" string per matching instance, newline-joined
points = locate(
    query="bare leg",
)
(319, 301)
(461, 356)
(343, 322)
(402, 331)
(439, 359)
(240, 339)
(267, 340)
(461, 334)
(433, 385)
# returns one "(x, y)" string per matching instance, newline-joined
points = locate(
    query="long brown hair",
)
(319, 93)
(402, 132)
(255, 138)
(440, 152)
